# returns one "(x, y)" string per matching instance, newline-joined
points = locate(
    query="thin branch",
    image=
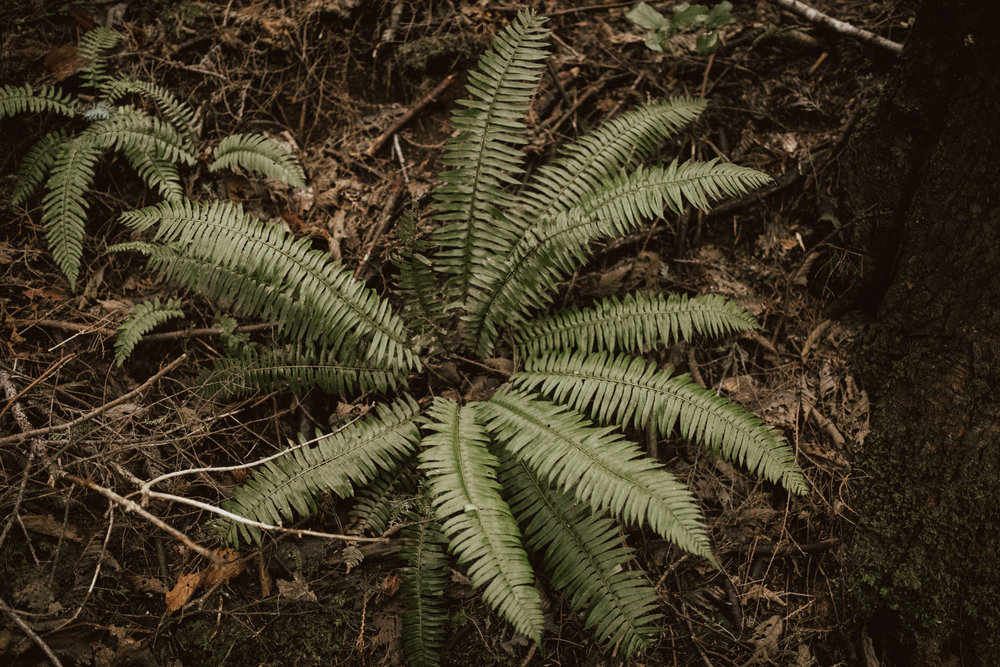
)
(299, 532)
(11, 401)
(31, 633)
(97, 411)
(165, 335)
(383, 224)
(409, 115)
(145, 486)
(132, 506)
(819, 18)
(22, 421)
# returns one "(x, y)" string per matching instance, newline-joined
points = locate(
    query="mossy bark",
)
(923, 177)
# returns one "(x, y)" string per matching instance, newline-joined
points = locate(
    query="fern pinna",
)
(541, 473)
(65, 161)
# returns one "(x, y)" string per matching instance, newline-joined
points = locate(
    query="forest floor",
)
(93, 582)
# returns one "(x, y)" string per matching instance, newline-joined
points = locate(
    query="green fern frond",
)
(423, 584)
(64, 207)
(478, 523)
(484, 157)
(584, 554)
(90, 48)
(586, 165)
(553, 251)
(217, 250)
(599, 467)
(36, 165)
(260, 154)
(337, 462)
(159, 174)
(417, 282)
(637, 323)
(130, 129)
(18, 99)
(144, 317)
(382, 502)
(300, 368)
(630, 391)
(179, 113)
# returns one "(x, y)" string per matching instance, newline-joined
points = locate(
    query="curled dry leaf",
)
(187, 584)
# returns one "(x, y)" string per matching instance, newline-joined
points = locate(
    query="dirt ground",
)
(93, 582)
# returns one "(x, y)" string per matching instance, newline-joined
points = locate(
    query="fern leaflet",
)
(478, 523)
(157, 173)
(550, 252)
(379, 504)
(597, 466)
(484, 157)
(179, 113)
(217, 250)
(584, 555)
(338, 461)
(630, 391)
(424, 581)
(595, 159)
(144, 318)
(336, 371)
(64, 207)
(261, 154)
(36, 165)
(18, 99)
(636, 323)
(93, 42)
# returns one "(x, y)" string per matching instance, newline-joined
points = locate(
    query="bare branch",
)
(819, 18)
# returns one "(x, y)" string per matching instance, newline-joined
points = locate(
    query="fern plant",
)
(541, 473)
(65, 160)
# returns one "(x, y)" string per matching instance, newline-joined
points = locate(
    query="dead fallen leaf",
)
(390, 583)
(46, 524)
(187, 584)
(49, 293)
(148, 584)
(232, 567)
(765, 639)
(63, 62)
(297, 589)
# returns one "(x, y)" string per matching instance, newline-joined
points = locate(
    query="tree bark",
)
(921, 178)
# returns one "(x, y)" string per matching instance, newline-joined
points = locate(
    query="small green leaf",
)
(646, 17)
(708, 43)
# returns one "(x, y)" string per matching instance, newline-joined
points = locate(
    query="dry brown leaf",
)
(148, 584)
(390, 583)
(297, 589)
(232, 566)
(63, 62)
(266, 581)
(765, 639)
(187, 584)
(46, 524)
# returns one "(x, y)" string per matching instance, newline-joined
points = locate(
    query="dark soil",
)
(91, 580)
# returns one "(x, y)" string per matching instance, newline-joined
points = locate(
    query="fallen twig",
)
(819, 18)
(409, 115)
(18, 437)
(22, 421)
(132, 506)
(31, 633)
(383, 224)
(148, 338)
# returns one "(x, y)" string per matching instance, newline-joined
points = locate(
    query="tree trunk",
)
(921, 177)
